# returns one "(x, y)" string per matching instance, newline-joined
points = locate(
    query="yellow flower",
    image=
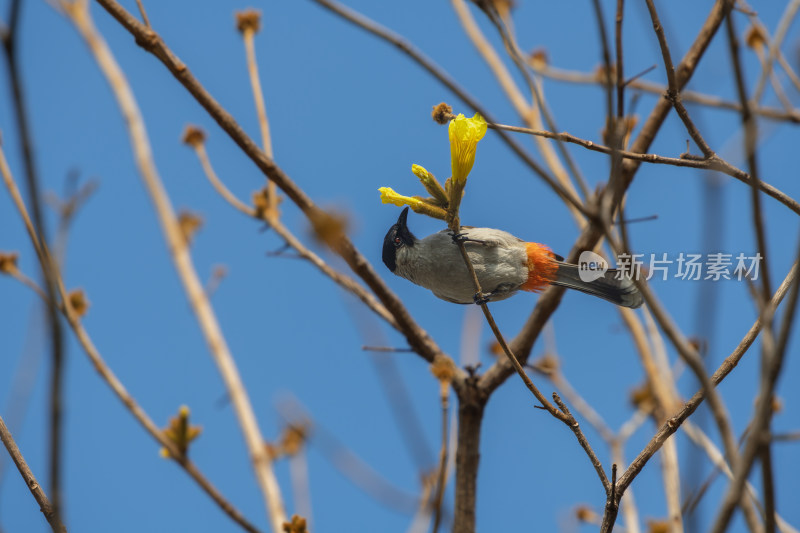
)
(464, 136)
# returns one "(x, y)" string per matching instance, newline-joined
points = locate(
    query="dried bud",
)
(504, 7)
(701, 345)
(630, 124)
(755, 38)
(442, 113)
(642, 397)
(328, 228)
(538, 59)
(78, 302)
(294, 436)
(443, 369)
(658, 526)
(495, 349)
(248, 20)
(297, 525)
(584, 513)
(546, 365)
(193, 136)
(189, 223)
(273, 451)
(604, 75)
(8, 262)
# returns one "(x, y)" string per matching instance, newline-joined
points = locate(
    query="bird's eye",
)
(398, 240)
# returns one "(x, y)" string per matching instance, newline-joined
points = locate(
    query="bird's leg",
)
(481, 298)
(459, 237)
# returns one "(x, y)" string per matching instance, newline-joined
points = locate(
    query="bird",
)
(503, 263)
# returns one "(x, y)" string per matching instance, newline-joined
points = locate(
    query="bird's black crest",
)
(398, 236)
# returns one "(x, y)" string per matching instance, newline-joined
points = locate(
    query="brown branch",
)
(417, 338)
(46, 262)
(593, 78)
(471, 404)
(620, 81)
(30, 480)
(673, 91)
(775, 48)
(750, 140)
(248, 35)
(441, 476)
(146, 20)
(606, 55)
(715, 162)
(576, 429)
(769, 358)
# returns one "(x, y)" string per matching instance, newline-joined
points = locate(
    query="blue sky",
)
(350, 114)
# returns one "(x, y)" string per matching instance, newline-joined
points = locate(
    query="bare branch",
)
(38, 493)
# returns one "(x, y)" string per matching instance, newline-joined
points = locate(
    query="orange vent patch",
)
(542, 267)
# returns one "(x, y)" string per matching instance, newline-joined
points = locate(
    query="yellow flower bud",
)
(418, 205)
(430, 183)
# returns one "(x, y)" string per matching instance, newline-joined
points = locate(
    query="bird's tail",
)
(546, 268)
(609, 285)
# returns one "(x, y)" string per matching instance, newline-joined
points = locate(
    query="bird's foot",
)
(481, 298)
(459, 237)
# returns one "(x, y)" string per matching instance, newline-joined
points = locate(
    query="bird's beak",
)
(401, 220)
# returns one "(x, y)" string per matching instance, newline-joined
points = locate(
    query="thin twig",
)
(774, 48)
(714, 163)
(575, 427)
(146, 20)
(46, 262)
(673, 91)
(30, 480)
(750, 140)
(78, 13)
(593, 78)
(248, 35)
(621, 83)
(441, 472)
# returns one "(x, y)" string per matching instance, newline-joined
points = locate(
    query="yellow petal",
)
(464, 136)
(388, 196)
